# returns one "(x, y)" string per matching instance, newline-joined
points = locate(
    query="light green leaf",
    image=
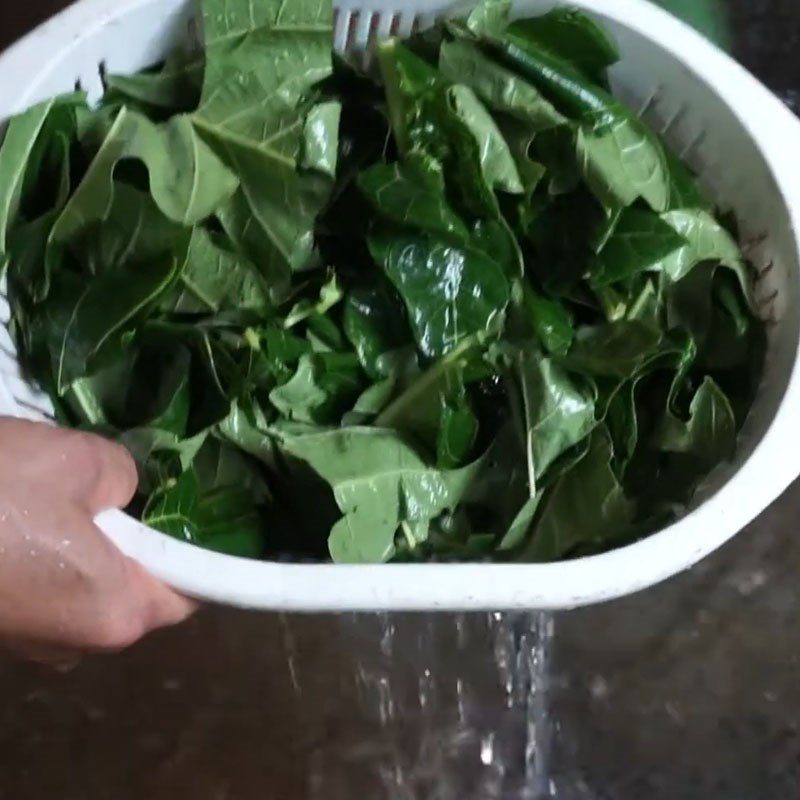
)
(489, 17)
(187, 181)
(378, 482)
(321, 138)
(301, 397)
(330, 295)
(623, 162)
(705, 240)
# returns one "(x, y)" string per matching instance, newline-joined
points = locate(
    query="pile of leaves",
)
(462, 305)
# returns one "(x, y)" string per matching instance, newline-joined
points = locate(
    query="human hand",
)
(65, 589)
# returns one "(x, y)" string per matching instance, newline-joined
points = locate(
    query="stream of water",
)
(447, 707)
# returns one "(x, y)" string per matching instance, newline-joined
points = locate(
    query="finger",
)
(164, 606)
(111, 476)
(138, 605)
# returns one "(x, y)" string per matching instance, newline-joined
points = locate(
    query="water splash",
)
(448, 707)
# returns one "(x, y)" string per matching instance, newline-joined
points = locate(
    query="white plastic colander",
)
(738, 137)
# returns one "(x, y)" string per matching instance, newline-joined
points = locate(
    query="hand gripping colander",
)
(737, 136)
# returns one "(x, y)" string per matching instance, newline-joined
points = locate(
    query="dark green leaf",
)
(587, 507)
(451, 292)
(375, 325)
(412, 193)
(641, 242)
(85, 316)
(559, 412)
(573, 36)
(225, 520)
(709, 435)
(458, 431)
(216, 278)
(615, 349)
(498, 87)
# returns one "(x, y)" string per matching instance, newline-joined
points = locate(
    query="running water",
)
(446, 708)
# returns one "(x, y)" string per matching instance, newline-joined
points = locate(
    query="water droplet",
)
(487, 749)
(599, 688)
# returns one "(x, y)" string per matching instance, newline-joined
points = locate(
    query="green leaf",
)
(559, 412)
(496, 162)
(564, 235)
(216, 278)
(17, 154)
(275, 199)
(152, 448)
(458, 432)
(173, 88)
(412, 193)
(27, 242)
(187, 181)
(489, 17)
(375, 325)
(501, 89)
(705, 240)
(449, 124)
(249, 237)
(615, 349)
(709, 435)
(620, 158)
(573, 36)
(154, 390)
(451, 292)
(229, 25)
(519, 530)
(410, 85)
(322, 388)
(224, 520)
(549, 320)
(691, 305)
(85, 316)
(586, 508)
(641, 242)
(255, 114)
(378, 482)
(321, 138)
(330, 295)
(416, 411)
(371, 402)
